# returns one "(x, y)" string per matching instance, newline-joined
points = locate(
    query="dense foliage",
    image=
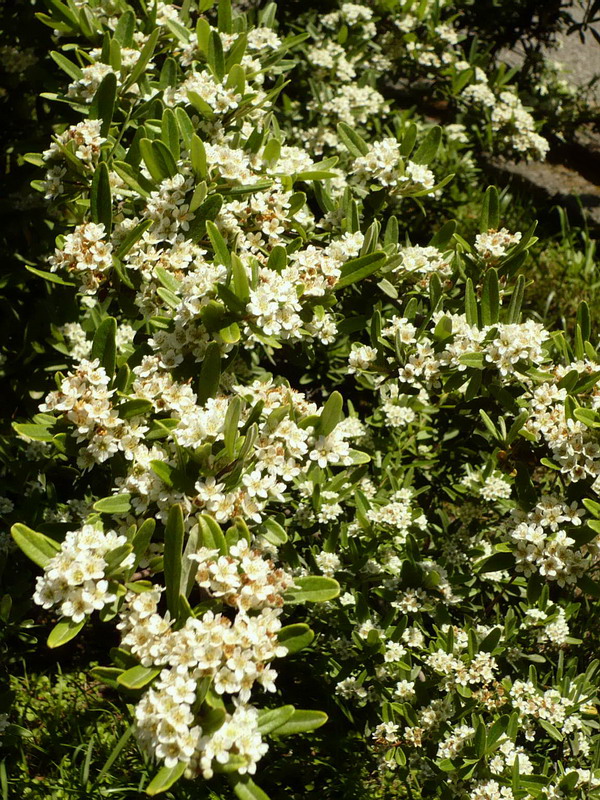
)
(289, 453)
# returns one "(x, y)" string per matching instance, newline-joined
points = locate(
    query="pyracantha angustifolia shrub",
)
(292, 449)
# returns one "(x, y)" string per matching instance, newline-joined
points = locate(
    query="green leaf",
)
(116, 504)
(516, 301)
(100, 197)
(103, 104)
(355, 144)
(200, 104)
(428, 148)
(169, 132)
(275, 533)
(277, 260)
(36, 546)
(301, 721)
(165, 778)
(474, 360)
(134, 179)
(198, 158)
(207, 211)
(222, 254)
(134, 408)
(39, 433)
(295, 637)
(138, 677)
(164, 471)
(212, 535)
(239, 276)
(551, 729)
(471, 311)
(490, 298)
(358, 268)
(49, 276)
(107, 675)
(232, 418)
(210, 373)
(587, 416)
(331, 414)
(189, 567)
(245, 788)
(584, 320)
(158, 159)
(63, 632)
(104, 345)
(444, 236)
(142, 62)
(406, 146)
(497, 562)
(312, 589)
(215, 58)
(273, 718)
(132, 237)
(592, 506)
(142, 539)
(72, 70)
(490, 212)
(172, 557)
(224, 22)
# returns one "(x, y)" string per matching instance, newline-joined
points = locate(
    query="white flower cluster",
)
(76, 579)
(456, 671)
(233, 655)
(573, 445)
(508, 116)
(243, 578)
(85, 87)
(84, 399)
(86, 253)
(166, 731)
(398, 514)
(420, 263)
(494, 244)
(384, 165)
(550, 705)
(503, 346)
(543, 545)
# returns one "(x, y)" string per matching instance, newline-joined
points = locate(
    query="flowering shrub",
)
(279, 425)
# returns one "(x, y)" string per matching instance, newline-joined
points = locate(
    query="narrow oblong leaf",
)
(428, 148)
(173, 557)
(354, 142)
(301, 721)
(138, 677)
(36, 546)
(165, 778)
(358, 268)
(210, 373)
(272, 718)
(490, 212)
(490, 298)
(103, 104)
(144, 57)
(222, 254)
(331, 414)
(142, 539)
(312, 589)
(63, 632)
(104, 345)
(245, 788)
(116, 504)
(295, 637)
(100, 197)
